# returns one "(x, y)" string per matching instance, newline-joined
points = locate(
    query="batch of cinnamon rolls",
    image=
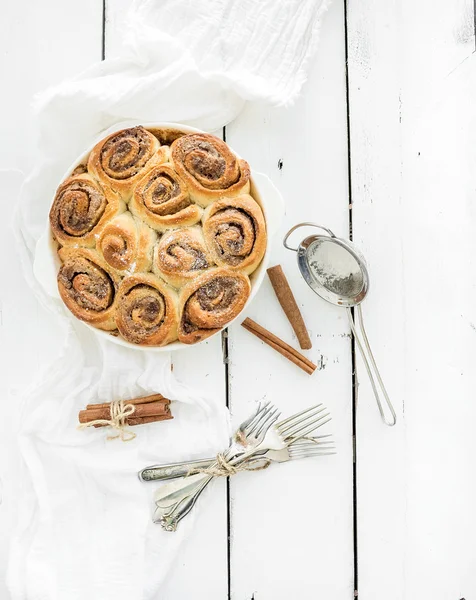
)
(157, 235)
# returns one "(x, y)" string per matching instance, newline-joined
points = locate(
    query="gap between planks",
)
(352, 340)
(103, 36)
(226, 362)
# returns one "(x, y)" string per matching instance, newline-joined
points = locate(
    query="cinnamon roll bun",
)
(147, 310)
(80, 208)
(127, 244)
(235, 233)
(210, 302)
(161, 200)
(180, 256)
(88, 287)
(124, 157)
(209, 168)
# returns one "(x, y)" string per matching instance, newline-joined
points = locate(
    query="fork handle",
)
(176, 491)
(172, 518)
(180, 509)
(173, 471)
(172, 492)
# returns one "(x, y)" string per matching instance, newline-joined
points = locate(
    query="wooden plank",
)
(40, 46)
(412, 191)
(201, 368)
(374, 101)
(292, 529)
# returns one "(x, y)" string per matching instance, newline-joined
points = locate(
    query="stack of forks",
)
(258, 441)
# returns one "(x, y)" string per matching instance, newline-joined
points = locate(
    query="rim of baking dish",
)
(271, 204)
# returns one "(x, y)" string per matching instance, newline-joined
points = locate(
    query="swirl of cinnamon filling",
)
(181, 255)
(88, 287)
(161, 200)
(210, 302)
(209, 168)
(147, 311)
(235, 232)
(122, 158)
(127, 244)
(79, 210)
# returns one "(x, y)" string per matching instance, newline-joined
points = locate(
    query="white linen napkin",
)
(84, 515)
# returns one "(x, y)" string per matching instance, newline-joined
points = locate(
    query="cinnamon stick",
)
(134, 401)
(151, 409)
(280, 346)
(142, 420)
(288, 302)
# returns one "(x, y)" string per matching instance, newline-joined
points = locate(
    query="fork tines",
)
(262, 420)
(303, 423)
(312, 446)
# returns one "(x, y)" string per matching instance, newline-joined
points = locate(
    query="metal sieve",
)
(336, 271)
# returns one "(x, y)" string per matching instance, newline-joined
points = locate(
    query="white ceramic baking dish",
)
(47, 263)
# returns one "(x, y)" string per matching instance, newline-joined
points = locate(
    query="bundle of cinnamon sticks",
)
(147, 409)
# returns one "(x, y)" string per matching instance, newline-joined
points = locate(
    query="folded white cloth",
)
(84, 516)
(85, 527)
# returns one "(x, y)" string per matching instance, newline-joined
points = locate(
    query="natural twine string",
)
(309, 439)
(224, 469)
(119, 413)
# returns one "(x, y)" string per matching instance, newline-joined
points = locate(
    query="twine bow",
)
(119, 412)
(224, 469)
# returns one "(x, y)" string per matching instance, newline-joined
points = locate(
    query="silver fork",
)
(291, 453)
(310, 418)
(312, 446)
(281, 436)
(251, 436)
(254, 433)
(192, 467)
(241, 440)
(300, 425)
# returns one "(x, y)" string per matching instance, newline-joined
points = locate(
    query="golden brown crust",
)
(80, 209)
(127, 244)
(80, 170)
(162, 201)
(166, 136)
(209, 168)
(124, 157)
(235, 233)
(147, 311)
(88, 287)
(210, 302)
(180, 256)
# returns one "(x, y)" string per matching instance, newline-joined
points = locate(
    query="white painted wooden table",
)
(397, 519)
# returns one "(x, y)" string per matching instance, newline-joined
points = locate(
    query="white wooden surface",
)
(411, 183)
(413, 189)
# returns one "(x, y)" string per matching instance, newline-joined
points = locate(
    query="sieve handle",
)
(306, 224)
(371, 367)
